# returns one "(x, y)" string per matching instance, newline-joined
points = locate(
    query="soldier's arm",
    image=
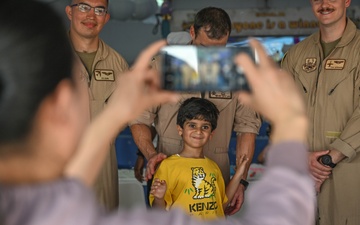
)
(143, 138)
(245, 145)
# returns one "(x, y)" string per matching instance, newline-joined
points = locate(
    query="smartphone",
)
(198, 68)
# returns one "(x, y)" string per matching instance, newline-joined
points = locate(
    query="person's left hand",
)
(158, 188)
(236, 202)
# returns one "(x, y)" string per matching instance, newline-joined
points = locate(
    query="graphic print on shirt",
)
(203, 188)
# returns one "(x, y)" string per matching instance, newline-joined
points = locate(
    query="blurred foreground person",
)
(49, 157)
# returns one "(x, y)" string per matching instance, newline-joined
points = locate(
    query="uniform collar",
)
(348, 35)
(102, 51)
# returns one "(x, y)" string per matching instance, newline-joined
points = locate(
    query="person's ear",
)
(347, 3)
(180, 130)
(192, 32)
(68, 11)
(211, 134)
(107, 17)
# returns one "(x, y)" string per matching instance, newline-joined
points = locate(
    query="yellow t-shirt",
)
(195, 185)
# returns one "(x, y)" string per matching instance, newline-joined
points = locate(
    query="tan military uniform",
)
(108, 64)
(331, 89)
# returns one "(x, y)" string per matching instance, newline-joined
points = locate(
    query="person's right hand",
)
(139, 175)
(319, 171)
(152, 164)
(138, 169)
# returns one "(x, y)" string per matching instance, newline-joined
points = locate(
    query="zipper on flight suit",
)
(90, 76)
(93, 69)
(319, 71)
(333, 89)
(313, 96)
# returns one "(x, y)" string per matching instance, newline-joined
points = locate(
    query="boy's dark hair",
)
(35, 55)
(198, 108)
(215, 21)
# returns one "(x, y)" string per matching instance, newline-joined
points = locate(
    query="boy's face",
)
(195, 133)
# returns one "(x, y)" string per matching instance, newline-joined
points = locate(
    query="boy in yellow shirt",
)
(189, 180)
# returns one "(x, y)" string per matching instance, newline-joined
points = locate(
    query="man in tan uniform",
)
(326, 69)
(212, 26)
(101, 66)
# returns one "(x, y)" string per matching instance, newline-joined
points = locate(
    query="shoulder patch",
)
(309, 65)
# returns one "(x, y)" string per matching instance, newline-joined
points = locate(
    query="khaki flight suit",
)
(331, 89)
(107, 66)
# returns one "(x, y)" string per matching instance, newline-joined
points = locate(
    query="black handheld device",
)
(198, 68)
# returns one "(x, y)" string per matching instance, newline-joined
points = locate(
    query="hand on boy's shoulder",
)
(153, 162)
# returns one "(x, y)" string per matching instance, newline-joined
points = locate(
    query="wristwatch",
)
(245, 183)
(327, 160)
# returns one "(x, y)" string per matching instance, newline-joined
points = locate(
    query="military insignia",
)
(310, 65)
(104, 75)
(220, 94)
(335, 64)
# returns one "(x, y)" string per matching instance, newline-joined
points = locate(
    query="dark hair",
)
(198, 108)
(215, 21)
(71, 2)
(35, 55)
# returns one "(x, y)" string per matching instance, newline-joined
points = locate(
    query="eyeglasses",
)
(321, 1)
(83, 7)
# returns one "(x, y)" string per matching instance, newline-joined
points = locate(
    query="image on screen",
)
(191, 68)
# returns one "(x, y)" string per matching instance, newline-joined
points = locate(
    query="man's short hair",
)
(215, 22)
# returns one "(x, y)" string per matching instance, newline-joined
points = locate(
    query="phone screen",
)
(198, 68)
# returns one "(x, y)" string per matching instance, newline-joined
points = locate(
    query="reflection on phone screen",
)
(192, 68)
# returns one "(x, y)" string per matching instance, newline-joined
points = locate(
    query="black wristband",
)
(245, 183)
